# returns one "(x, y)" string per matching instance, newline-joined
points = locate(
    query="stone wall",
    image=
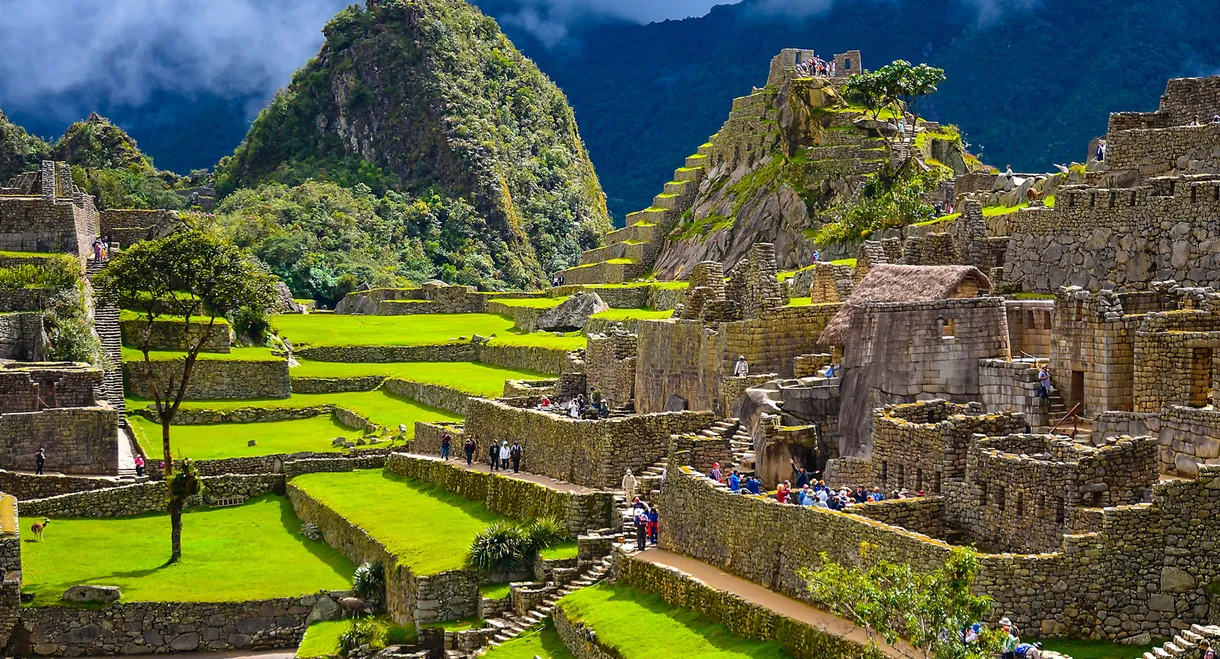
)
(1094, 349)
(1012, 386)
(526, 358)
(31, 387)
(78, 440)
(1029, 327)
(746, 619)
(22, 337)
(1184, 100)
(146, 497)
(1173, 360)
(159, 627)
(171, 335)
(428, 437)
(214, 378)
(30, 486)
(26, 299)
(434, 395)
(1188, 437)
(610, 367)
(335, 385)
(594, 453)
(510, 497)
(1146, 570)
(54, 217)
(448, 352)
(684, 358)
(1127, 237)
(924, 515)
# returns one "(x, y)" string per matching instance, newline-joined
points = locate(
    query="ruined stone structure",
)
(55, 406)
(44, 211)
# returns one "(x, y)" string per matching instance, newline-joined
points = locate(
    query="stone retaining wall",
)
(21, 336)
(433, 395)
(593, 453)
(428, 437)
(335, 385)
(157, 627)
(1146, 571)
(215, 378)
(146, 497)
(78, 440)
(746, 619)
(526, 358)
(29, 486)
(169, 335)
(919, 514)
(580, 640)
(529, 358)
(510, 497)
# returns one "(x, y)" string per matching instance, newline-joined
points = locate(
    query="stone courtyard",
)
(911, 369)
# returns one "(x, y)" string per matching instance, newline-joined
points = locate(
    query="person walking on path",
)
(654, 516)
(139, 466)
(469, 448)
(493, 454)
(446, 442)
(503, 455)
(629, 485)
(515, 454)
(641, 528)
(40, 459)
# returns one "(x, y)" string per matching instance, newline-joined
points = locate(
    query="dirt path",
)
(783, 605)
(484, 468)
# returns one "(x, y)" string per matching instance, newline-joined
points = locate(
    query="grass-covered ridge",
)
(413, 330)
(403, 515)
(470, 377)
(637, 625)
(230, 440)
(252, 551)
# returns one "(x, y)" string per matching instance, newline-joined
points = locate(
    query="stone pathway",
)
(127, 459)
(484, 468)
(786, 606)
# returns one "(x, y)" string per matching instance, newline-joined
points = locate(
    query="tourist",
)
(1009, 640)
(469, 448)
(734, 482)
(446, 442)
(504, 455)
(493, 454)
(715, 473)
(817, 255)
(641, 529)
(1044, 382)
(40, 459)
(97, 249)
(902, 130)
(1206, 651)
(574, 409)
(654, 516)
(545, 404)
(637, 506)
(629, 485)
(1008, 172)
(802, 477)
(139, 466)
(782, 492)
(876, 495)
(1029, 651)
(753, 486)
(803, 498)
(515, 454)
(860, 496)
(742, 367)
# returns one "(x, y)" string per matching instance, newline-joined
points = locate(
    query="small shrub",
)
(544, 532)
(501, 547)
(58, 272)
(364, 631)
(369, 580)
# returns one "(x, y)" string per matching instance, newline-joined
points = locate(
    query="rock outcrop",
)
(573, 313)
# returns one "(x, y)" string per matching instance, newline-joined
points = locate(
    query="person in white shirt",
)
(742, 367)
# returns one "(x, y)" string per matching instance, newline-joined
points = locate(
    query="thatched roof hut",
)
(904, 283)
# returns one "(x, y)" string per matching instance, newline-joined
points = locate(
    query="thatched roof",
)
(900, 283)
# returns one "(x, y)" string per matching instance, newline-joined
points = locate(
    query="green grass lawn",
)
(236, 354)
(532, 302)
(379, 406)
(471, 377)
(213, 442)
(992, 211)
(638, 284)
(560, 551)
(543, 642)
(403, 515)
(641, 626)
(1095, 649)
(800, 301)
(30, 255)
(128, 314)
(419, 329)
(494, 591)
(252, 551)
(322, 638)
(634, 314)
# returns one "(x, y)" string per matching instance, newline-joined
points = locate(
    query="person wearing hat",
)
(742, 367)
(716, 475)
(1009, 640)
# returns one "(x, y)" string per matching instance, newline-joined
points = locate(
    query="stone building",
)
(55, 406)
(610, 366)
(44, 211)
(909, 333)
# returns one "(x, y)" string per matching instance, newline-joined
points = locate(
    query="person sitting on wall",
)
(742, 368)
(734, 482)
(544, 404)
(715, 473)
(753, 486)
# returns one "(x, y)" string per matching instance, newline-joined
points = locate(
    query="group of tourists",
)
(578, 408)
(101, 248)
(646, 519)
(557, 279)
(499, 455)
(816, 67)
(804, 490)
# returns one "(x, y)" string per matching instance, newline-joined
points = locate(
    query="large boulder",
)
(284, 302)
(85, 594)
(573, 313)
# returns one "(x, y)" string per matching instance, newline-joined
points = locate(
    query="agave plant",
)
(544, 532)
(501, 547)
(364, 631)
(369, 581)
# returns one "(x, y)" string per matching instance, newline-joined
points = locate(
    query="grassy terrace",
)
(634, 314)
(403, 515)
(236, 354)
(641, 626)
(252, 551)
(471, 377)
(675, 285)
(214, 442)
(322, 638)
(419, 329)
(532, 302)
(379, 406)
(544, 643)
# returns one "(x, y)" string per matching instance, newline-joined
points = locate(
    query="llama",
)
(353, 604)
(37, 527)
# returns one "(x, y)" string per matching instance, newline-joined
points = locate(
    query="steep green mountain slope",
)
(19, 151)
(429, 98)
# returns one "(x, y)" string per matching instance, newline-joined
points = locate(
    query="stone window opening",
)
(1200, 377)
(936, 482)
(918, 480)
(1113, 197)
(999, 497)
(1133, 197)
(1059, 510)
(1040, 511)
(902, 475)
(948, 328)
(1020, 505)
(1194, 193)
(1216, 193)
(1092, 200)
(983, 495)
(1096, 500)
(1071, 200)
(885, 468)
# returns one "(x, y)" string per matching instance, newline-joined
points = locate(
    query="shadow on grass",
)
(317, 548)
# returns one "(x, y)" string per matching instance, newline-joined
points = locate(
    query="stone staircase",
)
(1186, 643)
(510, 626)
(106, 324)
(629, 252)
(1057, 411)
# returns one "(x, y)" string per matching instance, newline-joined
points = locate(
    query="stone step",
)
(696, 161)
(1160, 654)
(1190, 636)
(691, 174)
(667, 201)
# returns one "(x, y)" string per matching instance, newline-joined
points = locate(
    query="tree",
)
(188, 279)
(907, 83)
(929, 610)
(870, 91)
